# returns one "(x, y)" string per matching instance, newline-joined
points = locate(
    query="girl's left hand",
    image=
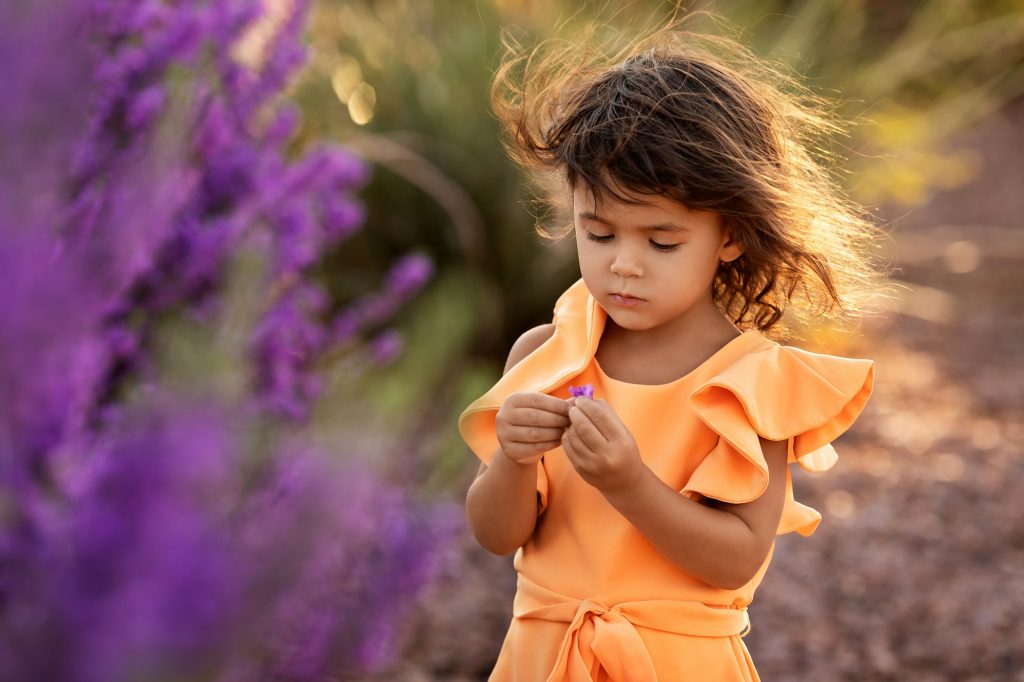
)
(600, 447)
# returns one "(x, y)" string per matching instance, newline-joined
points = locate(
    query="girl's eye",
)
(604, 238)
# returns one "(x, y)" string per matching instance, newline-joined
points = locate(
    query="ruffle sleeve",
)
(578, 326)
(780, 393)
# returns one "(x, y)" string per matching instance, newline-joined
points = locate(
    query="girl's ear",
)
(731, 248)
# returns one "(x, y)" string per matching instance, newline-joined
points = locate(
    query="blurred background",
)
(430, 269)
(918, 568)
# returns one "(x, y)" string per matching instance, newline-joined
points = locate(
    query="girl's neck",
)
(646, 357)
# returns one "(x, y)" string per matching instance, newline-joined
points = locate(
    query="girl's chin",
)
(628, 319)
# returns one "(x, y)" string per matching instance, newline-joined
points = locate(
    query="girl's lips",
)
(627, 301)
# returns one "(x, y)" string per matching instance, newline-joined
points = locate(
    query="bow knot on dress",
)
(604, 639)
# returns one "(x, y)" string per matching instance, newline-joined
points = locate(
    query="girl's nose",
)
(625, 265)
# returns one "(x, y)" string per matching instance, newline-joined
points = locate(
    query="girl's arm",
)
(722, 544)
(502, 501)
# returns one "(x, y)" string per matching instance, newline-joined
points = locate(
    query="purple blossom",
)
(285, 343)
(386, 346)
(344, 167)
(341, 216)
(586, 390)
(145, 108)
(408, 275)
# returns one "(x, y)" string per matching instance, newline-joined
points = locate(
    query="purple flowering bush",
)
(147, 532)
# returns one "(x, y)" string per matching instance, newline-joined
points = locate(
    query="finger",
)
(570, 452)
(535, 434)
(585, 430)
(526, 416)
(542, 401)
(601, 415)
(545, 446)
(579, 447)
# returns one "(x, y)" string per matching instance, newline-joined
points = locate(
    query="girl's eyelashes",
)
(605, 238)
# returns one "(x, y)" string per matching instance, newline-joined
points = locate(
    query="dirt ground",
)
(917, 571)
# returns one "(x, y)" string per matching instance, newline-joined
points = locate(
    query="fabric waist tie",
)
(606, 634)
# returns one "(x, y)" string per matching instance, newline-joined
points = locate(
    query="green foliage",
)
(406, 84)
(910, 75)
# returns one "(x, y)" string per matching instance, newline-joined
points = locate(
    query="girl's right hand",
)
(530, 424)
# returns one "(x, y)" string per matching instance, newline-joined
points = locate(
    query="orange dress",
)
(595, 600)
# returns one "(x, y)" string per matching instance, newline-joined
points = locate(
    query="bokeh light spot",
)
(346, 77)
(361, 104)
(840, 504)
(963, 256)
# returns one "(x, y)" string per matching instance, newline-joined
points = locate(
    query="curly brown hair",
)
(699, 118)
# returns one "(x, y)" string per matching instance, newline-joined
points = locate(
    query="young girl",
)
(644, 517)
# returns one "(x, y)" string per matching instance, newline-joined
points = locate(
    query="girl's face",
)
(659, 252)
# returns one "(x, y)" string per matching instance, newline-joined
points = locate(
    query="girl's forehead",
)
(585, 201)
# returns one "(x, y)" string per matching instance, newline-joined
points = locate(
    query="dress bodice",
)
(699, 434)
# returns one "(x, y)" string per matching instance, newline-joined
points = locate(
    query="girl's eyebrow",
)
(660, 227)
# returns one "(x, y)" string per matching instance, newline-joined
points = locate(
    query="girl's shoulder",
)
(528, 341)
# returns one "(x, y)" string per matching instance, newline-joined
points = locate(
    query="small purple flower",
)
(145, 108)
(586, 390)
(386, 346)
(341, 216)
(409, 274)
